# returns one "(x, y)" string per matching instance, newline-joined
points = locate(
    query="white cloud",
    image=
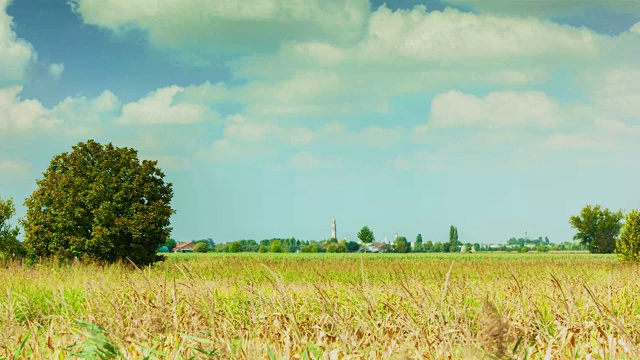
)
(635, 29)
(579, 142)
(239, 128)
(17, 115)
(233, 25)
(617, 92)
(12, 171)
(72, 117)
(15, 54)
(55, 70)
(159, 107)
(244, 137)
(497, 110)
(412, 51)
(547, 8)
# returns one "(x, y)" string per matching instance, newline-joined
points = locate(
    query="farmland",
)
(252, 306)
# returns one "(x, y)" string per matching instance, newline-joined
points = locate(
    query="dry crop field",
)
(329, 306)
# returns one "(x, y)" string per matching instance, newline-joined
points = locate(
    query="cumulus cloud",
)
(159, 108)
(72, 117)
(15, 53)
(497, 110)
(55, 70)
(234, 25)
(18, 115)
(411, 51)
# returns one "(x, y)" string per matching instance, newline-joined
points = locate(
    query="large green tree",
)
(10, 246)
(628, 244)
(597, 228)
(366, 235)
(99, 202)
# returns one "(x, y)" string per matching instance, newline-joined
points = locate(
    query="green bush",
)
(235, 247)
(201, 248)
(276, 247)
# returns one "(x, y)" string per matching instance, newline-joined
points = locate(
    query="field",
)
(330, 306)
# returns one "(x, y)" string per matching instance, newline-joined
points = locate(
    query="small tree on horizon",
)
(366, 235)
(276, 246)
(201, 247)
(597, 228)
(453, 238)
(401, 245)
(235, 247)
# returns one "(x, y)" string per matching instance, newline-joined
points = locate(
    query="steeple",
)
(333, 229)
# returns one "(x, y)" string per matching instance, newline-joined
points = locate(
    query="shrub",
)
(201, 247)
(276, 247)
(263, 249)
(235, 247)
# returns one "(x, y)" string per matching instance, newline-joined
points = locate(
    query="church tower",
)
(334, 234)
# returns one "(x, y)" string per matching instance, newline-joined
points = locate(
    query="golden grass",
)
(333, 306)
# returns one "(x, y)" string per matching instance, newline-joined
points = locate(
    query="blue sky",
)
(272, 117)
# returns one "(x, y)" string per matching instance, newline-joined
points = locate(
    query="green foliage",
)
(99, 202)
(170, 244)
(276, 247)
(263, 249)
(419, 239)
(523, 249)
(221, 248)
(453, 238)
(542, 248)
(401, 245)
(366, 236)
(10, 246)
(201, 247)
(597, 228)
(628, 244)
(428, 246)
(337, 247)
(352, 246)
(235, 247)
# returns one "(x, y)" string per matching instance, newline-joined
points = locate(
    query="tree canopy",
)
(366, 236)
(597, 228)
(99, 202)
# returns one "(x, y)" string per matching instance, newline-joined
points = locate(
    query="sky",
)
(271, 118)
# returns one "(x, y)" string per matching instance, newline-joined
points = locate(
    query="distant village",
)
(400, 244)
